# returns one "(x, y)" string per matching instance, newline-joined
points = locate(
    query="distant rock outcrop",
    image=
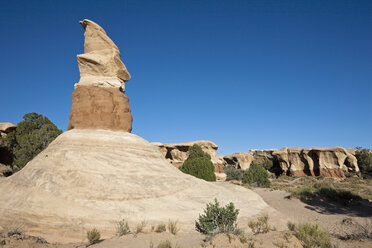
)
(177, 153)
(98, 101)
(6, 127)
(324, 161)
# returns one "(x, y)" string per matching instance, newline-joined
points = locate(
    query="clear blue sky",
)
(243, 74)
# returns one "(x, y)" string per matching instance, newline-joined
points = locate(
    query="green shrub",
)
(261, 225)
(31, 136)
(291, 226)
(311, 236)
(160, 228)
(364, 157)
(93, 235)
(267, 164)
(233, 173)
(256, 174)
(195, 151)
(122, 228)
(199, 164)
(172, 227)
(217, 219)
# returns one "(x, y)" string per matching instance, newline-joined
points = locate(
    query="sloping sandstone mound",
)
(177, 153)
(98, 101)
(323, 161)
(93, 178)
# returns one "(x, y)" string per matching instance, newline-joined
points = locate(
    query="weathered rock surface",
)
(177, 153)
(94, 178)
(100, 108)
(98, 101)
(100, 65)
(242, 160)
(6, 127)
(324, 161)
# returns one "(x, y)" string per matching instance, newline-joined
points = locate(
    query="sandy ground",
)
(339, 220)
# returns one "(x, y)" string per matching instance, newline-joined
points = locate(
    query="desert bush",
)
(122, 228)
(167, 244)
(267, 164)
(93, 235)
(160, 228)
(233, 173)
(311, 236)
(256, 174)
(140, 227)
(304, 193)
(217, 219)
(172, 227)
(199, 164)
(364, 157)
(261, 225)
(291, 226)
(32, 135)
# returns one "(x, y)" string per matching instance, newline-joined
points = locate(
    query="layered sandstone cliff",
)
(177, 153)
(324, 161)
(98, 101)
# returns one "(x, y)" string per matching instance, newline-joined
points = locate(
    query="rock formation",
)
(6, 127)
(94, 178)
(98, 101)
(89, 177)
(325, 161)
(177, 153)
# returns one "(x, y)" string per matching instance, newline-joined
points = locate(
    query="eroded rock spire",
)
(98, 101)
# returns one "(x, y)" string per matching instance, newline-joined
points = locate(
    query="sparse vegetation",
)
(291, 226)
(160, 228)
(311, 236)
(217, 219)
(32, 136)
(256, 174)
(261, 225)
(14, 231)
(140, 227)
(93, 236)
(199, 164)
(172, 227)
(233, 173)
(326, 191)
(122, 228)
(167, 244)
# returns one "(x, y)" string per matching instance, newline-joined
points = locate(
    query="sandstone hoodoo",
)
(98, 101)
(98, 173)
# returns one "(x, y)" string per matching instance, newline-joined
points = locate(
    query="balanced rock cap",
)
(101, 64)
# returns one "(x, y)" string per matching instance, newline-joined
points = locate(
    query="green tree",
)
(256, 174)
(199, 164)
(32, 135)
(364, 157)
